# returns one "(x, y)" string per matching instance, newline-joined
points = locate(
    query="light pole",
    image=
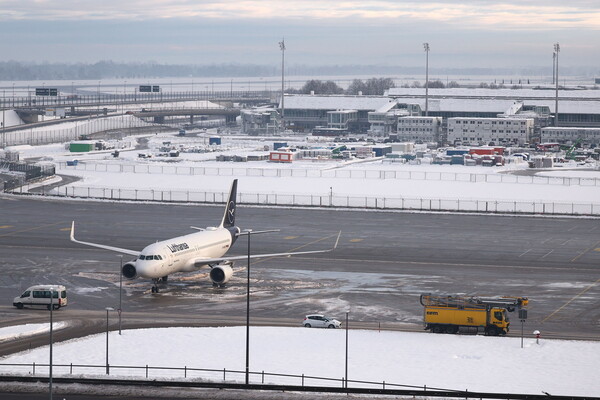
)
(98, 98)
(426, 47)
(346, 369)
(107, 310)
(282, 47)
(50, 363)
(248, 231)
(553, 67)
(120, 310)
(556, 51)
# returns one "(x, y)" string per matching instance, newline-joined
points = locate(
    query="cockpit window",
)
(142, 257)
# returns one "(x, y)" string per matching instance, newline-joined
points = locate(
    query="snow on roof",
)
(516, 94)
(333, 102)
(495, 105)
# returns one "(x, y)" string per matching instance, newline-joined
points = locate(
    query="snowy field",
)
(475, 363)
(337, 183)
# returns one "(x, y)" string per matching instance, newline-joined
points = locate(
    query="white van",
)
(40, 296)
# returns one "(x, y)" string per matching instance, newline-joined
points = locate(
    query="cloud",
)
(489, 14)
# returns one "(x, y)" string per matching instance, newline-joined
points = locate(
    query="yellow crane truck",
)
(449, 314)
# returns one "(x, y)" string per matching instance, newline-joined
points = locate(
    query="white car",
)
(320, 321)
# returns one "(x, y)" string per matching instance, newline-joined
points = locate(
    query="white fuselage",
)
(182, 253)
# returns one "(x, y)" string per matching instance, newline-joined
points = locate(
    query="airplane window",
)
(142, 257)
(159, 257)
(156, 257)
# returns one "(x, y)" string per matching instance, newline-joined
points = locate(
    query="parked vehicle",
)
(320, 321)
(42, 296)
(449, 314)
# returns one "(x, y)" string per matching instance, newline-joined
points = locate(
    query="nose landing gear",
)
(156, 281)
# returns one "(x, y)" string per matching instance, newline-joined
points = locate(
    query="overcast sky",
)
(461, 34)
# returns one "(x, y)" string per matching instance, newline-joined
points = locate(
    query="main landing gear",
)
(156, 281)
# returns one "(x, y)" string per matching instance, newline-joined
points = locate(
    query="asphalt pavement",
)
(384, 261)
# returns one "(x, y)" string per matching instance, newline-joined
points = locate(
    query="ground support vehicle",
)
(46, 296)
(451, 314)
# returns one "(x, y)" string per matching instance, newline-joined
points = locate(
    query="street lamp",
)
(50, 362)
(248, 232)
(120, 310)
(426, 47)
(556, 51)
(107, 310)
(282, 47)
(346, 370)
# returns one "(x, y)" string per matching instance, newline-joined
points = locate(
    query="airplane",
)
(206, 248)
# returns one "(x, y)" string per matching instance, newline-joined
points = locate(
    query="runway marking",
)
(525, 252)
(594, 247)
(290, 237)
(545, 240)
(597, 249)
(569, 230)
(570, 301)
(547, 254)
(5, 226)
(64, 229)
(31, 229)
(356, 240)
(566, 242)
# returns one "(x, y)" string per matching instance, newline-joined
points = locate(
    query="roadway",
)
(385, 260)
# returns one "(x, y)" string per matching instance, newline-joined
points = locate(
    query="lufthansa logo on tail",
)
(231, 212)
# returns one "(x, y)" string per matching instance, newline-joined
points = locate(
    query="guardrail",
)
(338, 385)
(332, 173)
(312, 200)
(132, 96)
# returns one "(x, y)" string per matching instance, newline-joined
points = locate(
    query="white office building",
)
(490, 131)
(568, 135)
(415, 129)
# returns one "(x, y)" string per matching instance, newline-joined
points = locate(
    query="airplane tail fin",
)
(229, 216)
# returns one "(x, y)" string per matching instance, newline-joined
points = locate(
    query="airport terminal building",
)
(388, 114)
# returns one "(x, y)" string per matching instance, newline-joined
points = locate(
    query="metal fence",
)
(213, 375)
(331, 200)
(329, 173)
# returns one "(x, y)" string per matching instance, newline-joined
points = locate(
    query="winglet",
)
(337, 240)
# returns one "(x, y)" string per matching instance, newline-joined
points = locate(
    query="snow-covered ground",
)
(335, 182)
(459, 362)
(20, 331)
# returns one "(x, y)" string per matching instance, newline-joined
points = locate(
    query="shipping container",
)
(82, 147)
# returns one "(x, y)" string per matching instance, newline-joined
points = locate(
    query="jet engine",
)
(129, 270)
(220, 274)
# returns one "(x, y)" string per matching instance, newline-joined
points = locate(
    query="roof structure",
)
(333, 102)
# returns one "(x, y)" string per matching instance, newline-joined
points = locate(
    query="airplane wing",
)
(102, 246)
(203, 261)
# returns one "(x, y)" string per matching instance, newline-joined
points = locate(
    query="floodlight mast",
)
(556, 51)
(426, 47)
(282, 47)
